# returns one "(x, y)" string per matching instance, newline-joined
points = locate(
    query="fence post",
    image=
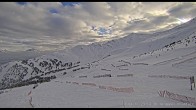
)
(192, 81)
(123, 103)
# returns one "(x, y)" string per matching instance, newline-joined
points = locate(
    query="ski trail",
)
(30, 102)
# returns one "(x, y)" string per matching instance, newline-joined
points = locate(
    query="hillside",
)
(126, 72)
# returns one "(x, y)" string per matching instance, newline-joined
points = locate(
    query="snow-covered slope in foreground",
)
(131, 75)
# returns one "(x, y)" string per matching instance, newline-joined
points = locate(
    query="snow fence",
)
(116, 89)
(169, 76)
(181, 98)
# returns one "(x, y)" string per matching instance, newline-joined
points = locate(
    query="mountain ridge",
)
(66, 62)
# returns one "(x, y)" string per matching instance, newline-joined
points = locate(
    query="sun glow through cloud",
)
(183, 20)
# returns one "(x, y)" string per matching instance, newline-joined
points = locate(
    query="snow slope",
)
(127, 72)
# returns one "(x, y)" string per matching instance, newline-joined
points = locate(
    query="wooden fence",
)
(181, 98)
(105, 75)
(169, 76)
(125, 75)
(125, 90)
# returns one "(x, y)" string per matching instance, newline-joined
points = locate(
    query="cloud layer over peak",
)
(56, 25)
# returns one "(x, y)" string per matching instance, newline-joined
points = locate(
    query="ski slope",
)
(58, 93)
(127, 76)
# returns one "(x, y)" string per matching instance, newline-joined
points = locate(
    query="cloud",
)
(185, 10)
(53, 25)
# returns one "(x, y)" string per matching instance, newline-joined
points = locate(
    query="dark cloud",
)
(183, 10)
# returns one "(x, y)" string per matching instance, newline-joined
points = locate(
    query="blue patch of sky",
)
(70, 3)
(103, 31)
(53, 10)
(63, 3)
(21, 3)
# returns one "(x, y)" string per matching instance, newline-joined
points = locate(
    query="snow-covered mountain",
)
(170, 52)
(9, 56)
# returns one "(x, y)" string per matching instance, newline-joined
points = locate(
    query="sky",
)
(60, 25)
